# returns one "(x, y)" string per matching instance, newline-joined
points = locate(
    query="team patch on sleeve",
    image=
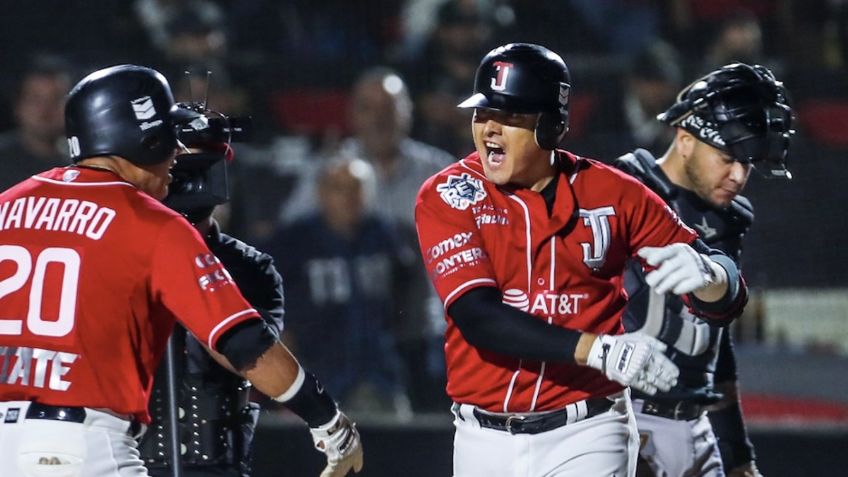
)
(461, 191)
(212, 273)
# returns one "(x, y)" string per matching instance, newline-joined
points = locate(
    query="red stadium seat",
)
(825, 121)
(311, 111)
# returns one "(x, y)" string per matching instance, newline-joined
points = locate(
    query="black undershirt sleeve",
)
(244, 343)
(486, 323)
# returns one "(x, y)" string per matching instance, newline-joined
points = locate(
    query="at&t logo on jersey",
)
(544, 303)
(516, 299)
(462, 191)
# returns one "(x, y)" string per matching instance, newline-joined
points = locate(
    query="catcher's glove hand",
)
(635, 360)
(339, 440)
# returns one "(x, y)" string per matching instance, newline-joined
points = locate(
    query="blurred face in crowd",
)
(710, 172)
(381, 113)
(741, 41)
(39, 109)
(654, 95)
(507, 146)
(342, 194)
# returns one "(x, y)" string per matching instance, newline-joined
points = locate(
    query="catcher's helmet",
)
(525, 78)
(740, 109)
(125, 111)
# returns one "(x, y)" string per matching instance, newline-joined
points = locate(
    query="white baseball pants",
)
(678, 448)
(605, 445)
(99, 447)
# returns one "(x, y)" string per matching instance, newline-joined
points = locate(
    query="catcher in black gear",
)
(732, 120)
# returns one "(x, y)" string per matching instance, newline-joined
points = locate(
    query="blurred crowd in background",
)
(353, 107)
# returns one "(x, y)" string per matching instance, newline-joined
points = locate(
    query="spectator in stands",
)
(380, 118)
(38, 143)
(628, 118)
(738, 38)
(344, 267)
(462, 34)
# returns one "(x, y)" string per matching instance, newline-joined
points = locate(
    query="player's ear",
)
(684, 143)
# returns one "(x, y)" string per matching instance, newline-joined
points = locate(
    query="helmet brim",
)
(501, 102)
(181, 115)
(478, 100)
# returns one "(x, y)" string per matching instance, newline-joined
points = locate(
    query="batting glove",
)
(339, 440)
(680, 269)
(635, 360)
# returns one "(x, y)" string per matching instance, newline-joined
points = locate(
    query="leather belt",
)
(676, 410)
(541, 422)
(37, 410)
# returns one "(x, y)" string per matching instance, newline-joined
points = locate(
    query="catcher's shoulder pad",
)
(642, 165)
(742, 210)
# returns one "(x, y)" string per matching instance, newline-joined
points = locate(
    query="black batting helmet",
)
(125, 111)
(525, 78)
(740, 109)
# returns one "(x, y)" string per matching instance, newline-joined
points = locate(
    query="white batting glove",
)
(680, 269)
(635, 360)
(339, 439)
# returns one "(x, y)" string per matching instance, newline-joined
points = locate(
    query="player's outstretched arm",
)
(277, 374)
(709, 280)
(632, 359)
(681, 270)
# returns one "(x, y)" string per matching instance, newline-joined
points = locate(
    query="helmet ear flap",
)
(550, 129)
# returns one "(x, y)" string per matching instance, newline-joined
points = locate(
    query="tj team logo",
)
(499, 81)
(595, 253)
(461, 191)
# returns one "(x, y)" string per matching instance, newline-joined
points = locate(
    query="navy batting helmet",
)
(740, 109)
(125, 111)
(525, 78)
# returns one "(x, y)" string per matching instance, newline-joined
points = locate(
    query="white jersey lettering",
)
(595, 254)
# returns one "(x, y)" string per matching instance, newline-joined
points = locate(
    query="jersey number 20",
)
(36, 323)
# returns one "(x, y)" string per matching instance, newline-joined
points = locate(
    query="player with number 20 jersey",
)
(54, 228)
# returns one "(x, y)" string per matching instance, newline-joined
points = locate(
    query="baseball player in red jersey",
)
(94, 271)
(526, 246)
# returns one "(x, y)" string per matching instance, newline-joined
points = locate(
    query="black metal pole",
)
(171, 401)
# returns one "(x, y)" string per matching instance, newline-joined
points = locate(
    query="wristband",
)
(307, 398)
(294, 388)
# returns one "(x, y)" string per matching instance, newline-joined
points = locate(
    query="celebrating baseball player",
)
(735, 118)
(95, 271)
(526, 245)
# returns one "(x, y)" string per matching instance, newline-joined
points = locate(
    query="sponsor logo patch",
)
(12, 415)
(70, 175)
(461, 191)
(143, 108)
(624, 357)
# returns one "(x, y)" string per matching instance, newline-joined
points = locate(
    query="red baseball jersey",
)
(565, 269)
(93, 273)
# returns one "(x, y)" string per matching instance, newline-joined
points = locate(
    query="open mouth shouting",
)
(495, 156)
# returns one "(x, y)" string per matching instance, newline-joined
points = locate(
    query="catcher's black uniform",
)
(217, 421)
(704, 353)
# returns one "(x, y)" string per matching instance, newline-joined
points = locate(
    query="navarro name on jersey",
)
(81, 217)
